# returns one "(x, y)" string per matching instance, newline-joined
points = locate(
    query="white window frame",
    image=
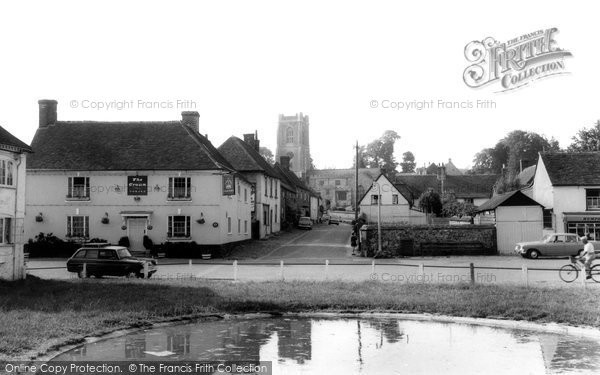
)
(86, 226)
(187, 188)
(6, 229)
(7, 173)
(187, 224)
(71, 189)
(395, 199)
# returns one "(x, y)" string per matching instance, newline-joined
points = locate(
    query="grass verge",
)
(37, 315)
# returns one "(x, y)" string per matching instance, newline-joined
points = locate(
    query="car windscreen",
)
(124, 253)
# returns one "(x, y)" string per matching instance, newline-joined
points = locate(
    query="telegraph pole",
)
(356, 186)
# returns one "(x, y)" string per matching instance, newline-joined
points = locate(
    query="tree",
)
(431, 202)
(515, 148)
(451, 207)
(380, 153)
(586, 139)
(362, 162)
(267, 155)
(408, 162)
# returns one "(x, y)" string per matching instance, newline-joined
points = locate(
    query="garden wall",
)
(429, 240)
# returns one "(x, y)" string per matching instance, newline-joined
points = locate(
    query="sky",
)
(240, 64)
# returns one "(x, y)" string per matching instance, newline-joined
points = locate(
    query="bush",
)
(48, 245)
(124, 241)
(188, 250)
(148, 244)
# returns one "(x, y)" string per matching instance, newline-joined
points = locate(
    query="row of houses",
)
(560, 193)
(163, 180)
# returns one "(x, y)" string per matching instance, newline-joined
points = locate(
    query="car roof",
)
(103, 248)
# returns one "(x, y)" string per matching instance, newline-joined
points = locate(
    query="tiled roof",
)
(88, 145)
(526, 176)
(468, 186)
(285, 182)
(292, 178)
(513, 198)
(573, 169)
(245, 158)
(7, 139)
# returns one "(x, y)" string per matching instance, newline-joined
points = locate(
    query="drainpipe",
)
(14, 255)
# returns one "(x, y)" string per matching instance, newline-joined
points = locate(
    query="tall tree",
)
(267, 155)
(516, 147)
(380, 153)
(408, 162)
(587, 139)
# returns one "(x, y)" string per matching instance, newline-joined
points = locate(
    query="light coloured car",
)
(554, 245)
(305, 222)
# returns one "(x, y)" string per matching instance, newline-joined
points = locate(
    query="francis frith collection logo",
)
(514, 63)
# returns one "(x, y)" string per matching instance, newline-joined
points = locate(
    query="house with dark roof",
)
(13, 161)
(244, 156)
(160, 179)
(568, 186)
(392, 204)
(298, 203)
(475, 189)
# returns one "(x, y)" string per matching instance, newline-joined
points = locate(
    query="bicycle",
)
(570, 272)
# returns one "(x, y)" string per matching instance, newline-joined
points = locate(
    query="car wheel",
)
(533, 254)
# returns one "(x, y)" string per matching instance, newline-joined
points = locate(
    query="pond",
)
(355, 346)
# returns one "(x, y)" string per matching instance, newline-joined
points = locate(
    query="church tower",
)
(293, 140)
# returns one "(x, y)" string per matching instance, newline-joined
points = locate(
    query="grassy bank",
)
(38, 314)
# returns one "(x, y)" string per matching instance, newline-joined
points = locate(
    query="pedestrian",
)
(353, 243)
(587, 256)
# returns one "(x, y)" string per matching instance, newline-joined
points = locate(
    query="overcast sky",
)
(243, 63)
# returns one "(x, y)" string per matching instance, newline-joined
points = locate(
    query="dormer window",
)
(6, 172)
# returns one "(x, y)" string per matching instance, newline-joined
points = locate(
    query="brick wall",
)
(418, 240)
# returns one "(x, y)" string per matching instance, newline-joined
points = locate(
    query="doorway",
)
(136, 228)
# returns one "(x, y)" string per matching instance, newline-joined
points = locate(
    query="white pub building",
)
(108, 180)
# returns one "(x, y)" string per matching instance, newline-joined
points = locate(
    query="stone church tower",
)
(293, 140)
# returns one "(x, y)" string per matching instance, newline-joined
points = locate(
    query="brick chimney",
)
(284, 161)
(47, 112)
(191, 119)
(252, 140)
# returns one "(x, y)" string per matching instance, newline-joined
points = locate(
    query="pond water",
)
(355, 346)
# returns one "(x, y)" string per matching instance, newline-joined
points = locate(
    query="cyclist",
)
(587, 256)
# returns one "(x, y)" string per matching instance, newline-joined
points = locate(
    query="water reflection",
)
(368, 346)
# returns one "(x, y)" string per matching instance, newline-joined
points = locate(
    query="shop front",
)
(583, 223)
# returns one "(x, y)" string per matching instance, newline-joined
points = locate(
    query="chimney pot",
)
(48, 114)
(191, 119)
(285, 162)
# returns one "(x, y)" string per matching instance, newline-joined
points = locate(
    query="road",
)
(305, 256)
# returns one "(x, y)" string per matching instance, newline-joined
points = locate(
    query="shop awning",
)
(587, 216)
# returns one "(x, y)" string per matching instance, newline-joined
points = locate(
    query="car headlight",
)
(517, 248)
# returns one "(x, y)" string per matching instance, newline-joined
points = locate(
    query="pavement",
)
(324, 253)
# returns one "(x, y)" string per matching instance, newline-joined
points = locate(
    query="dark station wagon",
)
(109, 261)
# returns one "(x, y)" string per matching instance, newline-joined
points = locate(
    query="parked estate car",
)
(110, 261)
(305, 223)
(333, 220)
(553, 245)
